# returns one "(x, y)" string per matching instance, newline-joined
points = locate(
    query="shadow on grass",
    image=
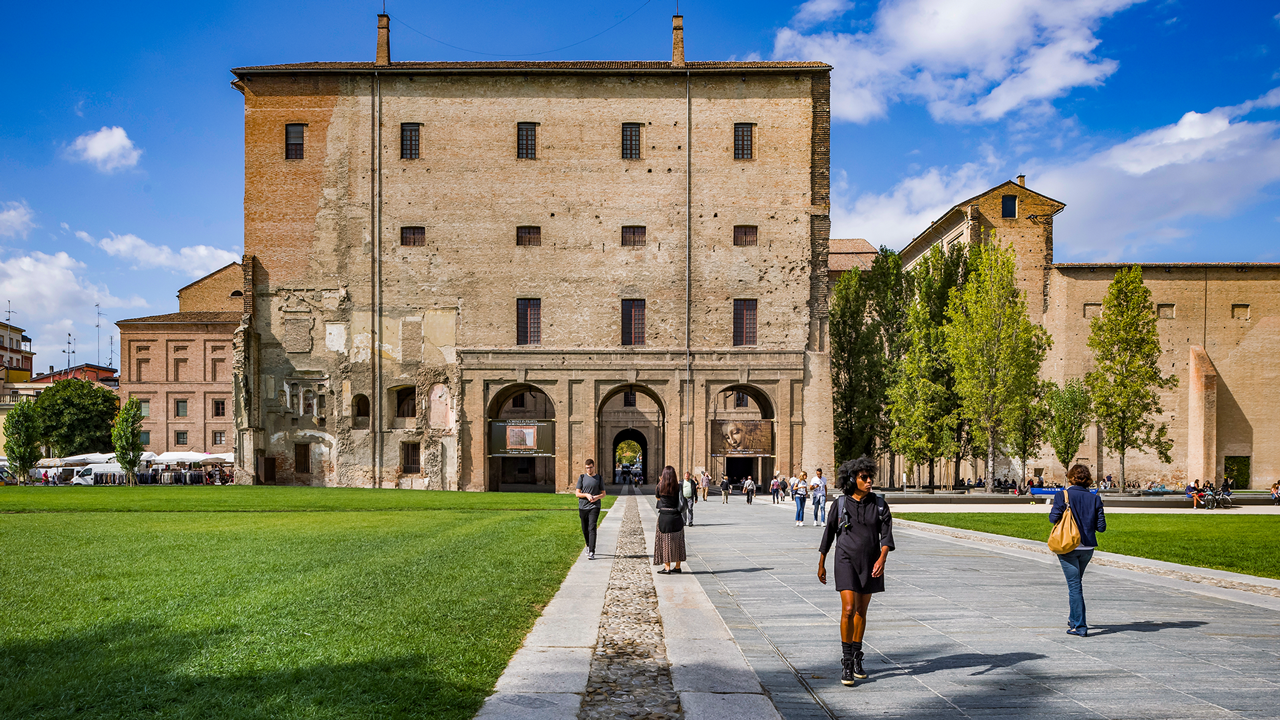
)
(129, 670)
(1145, 626)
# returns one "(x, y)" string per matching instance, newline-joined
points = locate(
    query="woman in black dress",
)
(861, 527)
(668, 541)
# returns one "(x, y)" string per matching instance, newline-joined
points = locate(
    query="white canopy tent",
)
(180, 457)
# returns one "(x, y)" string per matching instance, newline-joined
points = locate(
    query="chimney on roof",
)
(677, 41)
(1022, 180)
(384, 41)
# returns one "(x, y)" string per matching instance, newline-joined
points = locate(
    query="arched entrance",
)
(643, 462)
(632, 412)
(741, 434)
(521, 440)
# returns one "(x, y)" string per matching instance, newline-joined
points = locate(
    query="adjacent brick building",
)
(459, 275)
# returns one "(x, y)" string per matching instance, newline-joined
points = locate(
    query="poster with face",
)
(522, 437)
(741, 437)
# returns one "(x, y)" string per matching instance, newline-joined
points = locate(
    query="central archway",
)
(638, 438)
(739, 414)
(521, 440)
(632, 412)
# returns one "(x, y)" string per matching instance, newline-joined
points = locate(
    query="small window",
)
(409, 136)
(1092, 310)
(179, 408)
(1008, 206)
(146, 437)
(744, 235)
(527, 141)
(410, 458)
(293, 135)
(219, 437)
(529, 321)
(630, 141)
(633, 236)
(413, 236)
(633, 322)
(628, 398)
(744, 322)
(529, 235)
(145, 407)
(518, 401)
(1165, 311)
(302, 458)
(180, 437)
(742, 140)
(1239, 312)
(219, 408)
(237, 293)
(308, 402)
(361, 406)
(407, 402)
(740, 400)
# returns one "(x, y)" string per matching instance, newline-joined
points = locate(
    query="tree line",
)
(941, 361)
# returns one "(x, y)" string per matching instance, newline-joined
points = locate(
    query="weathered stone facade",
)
(337, 306)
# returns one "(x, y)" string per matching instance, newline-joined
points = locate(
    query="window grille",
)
(630, 141)
(293, 137)
(633, 322)
(180, 437)
(633, 236)
(529, 321)
(744, 322)
(739, 400)
(742, 137)
(628, 398)
(744, 235)
(530, 235)
(411, 454)
(409, 138)
(302, 458)
(413, 236)
(527, 141)
(219, 408)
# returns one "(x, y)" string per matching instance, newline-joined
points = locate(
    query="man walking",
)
(725, 487)
(818, 495)
(704, 485)
(590, 491)
(688, 496)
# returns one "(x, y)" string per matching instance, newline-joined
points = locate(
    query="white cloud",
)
(967, 60)
(195, 260)
(109, 149)
(16, 219)
(813, 12)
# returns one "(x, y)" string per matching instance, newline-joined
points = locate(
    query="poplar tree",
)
(917, 402)
(1126, 377)
(126, 436)
(1027, 424)
(934, 279)
(22, 439)
(857, 368)
(1070, 410)
(995, 349)
(889, 294)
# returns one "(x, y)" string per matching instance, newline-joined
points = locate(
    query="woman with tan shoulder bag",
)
(1077, 515)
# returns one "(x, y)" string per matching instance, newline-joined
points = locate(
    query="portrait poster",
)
(522, 438)
(752, 438)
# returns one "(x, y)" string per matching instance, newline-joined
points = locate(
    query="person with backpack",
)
(749, 489)
(800, 491)
(860, 527)
(725, 488)
(689, 496)
(590, 491)
(1085, 509)
(773, 488)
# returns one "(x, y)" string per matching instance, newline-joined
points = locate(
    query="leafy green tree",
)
(1070, 410)
(889, 296)
(933, 280)
(857, 368)
(22, 439)
(917, 402)
(1027, 425)
(126, 436)
(1126, 377)
(995, 349)
(75, 417)
(627, 452)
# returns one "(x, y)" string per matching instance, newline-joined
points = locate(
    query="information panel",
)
(522, 438)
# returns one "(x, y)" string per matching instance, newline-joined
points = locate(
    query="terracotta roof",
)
(187, 317)
(958, 207)
(544, 66)
(849, 253)
(851, 245)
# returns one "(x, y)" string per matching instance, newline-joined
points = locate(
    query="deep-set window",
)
(527, 141)
(633, 322)
(293, 136)
(409, 140)
(144, 406)
(1008, 206)
(146, 437)
(630, 141)
(633, 236)
(529, 235)
(739, 400)
(744, 322)
(219, 408)
(628, 398)
(410, 458)
(518, 401)
(179, 408)
(744, 235)
(407, 402)
(180, 437)
(742, 140)
(302, 458)
(413, 236)
(529, 321)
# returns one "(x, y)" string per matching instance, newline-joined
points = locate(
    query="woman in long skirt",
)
(668, 541)
(861, 528)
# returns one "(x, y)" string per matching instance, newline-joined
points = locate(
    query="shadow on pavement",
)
(982, 663)
(1145, 626)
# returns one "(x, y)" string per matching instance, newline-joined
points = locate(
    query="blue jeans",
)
(820, 508)
(1073, 565)
(800, 508)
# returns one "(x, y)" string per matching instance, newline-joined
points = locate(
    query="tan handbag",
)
(1065, 535)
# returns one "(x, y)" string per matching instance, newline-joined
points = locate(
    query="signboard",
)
(522, 438)
(742, 438)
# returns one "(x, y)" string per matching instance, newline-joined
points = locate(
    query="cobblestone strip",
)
(630, 676)
(1162, 572)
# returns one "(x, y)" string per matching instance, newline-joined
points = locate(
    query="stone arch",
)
(616, 422)
(533, 473)
(360, 411)
(760, 406)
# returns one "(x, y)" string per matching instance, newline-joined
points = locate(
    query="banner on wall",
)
(522, 438)
(746, 438)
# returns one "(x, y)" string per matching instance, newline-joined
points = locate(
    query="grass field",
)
(1241, 543)
(357, 604)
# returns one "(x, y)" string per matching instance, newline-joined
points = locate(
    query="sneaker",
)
(1080, 631)
(858, 672)
(815, 523)
(591, 556)
(846, 672)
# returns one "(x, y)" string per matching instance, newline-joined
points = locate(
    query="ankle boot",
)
(846, 664)
(858, 672)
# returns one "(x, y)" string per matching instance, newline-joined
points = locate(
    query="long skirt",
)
(668, 547)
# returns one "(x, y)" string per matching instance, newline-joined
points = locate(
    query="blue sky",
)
(1156, 122)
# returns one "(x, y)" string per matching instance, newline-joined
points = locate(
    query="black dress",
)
(869, 527)
(668, 540)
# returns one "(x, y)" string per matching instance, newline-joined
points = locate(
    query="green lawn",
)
(410, 606)
(1237, 543)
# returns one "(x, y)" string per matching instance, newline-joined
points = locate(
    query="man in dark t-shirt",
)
(590, 491)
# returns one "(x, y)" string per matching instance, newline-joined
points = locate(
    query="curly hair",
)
(848, 472)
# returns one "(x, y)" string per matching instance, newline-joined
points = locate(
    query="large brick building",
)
(1219, 326)
(476, 275)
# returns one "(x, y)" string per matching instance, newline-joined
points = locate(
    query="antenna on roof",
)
(8, 314)
(97, 324)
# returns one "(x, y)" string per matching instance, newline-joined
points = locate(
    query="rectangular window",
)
(293, 141)
(410, 458)
(744, 235)
(628, 398)
(409, 138)
(742, 137)
(632, 236)
(146, 437)
(518, 401)
(529, 321)
(1240, 312)
(1165, 311)
(180, 437)
(1008, 206)
(530, 235)
(413, 236)
(527, 141)
(302, 458)
(1092, 310)
(739, 400)
(633, 322)
(219, 437)
(630, 141)
(179, 408)
(219, 408)
(145, 407)
(744, 322)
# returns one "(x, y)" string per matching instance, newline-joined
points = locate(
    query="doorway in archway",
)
(631, 413)
(522, 441)
(638, 468)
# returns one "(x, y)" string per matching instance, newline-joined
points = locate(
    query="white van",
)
(84, 475)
